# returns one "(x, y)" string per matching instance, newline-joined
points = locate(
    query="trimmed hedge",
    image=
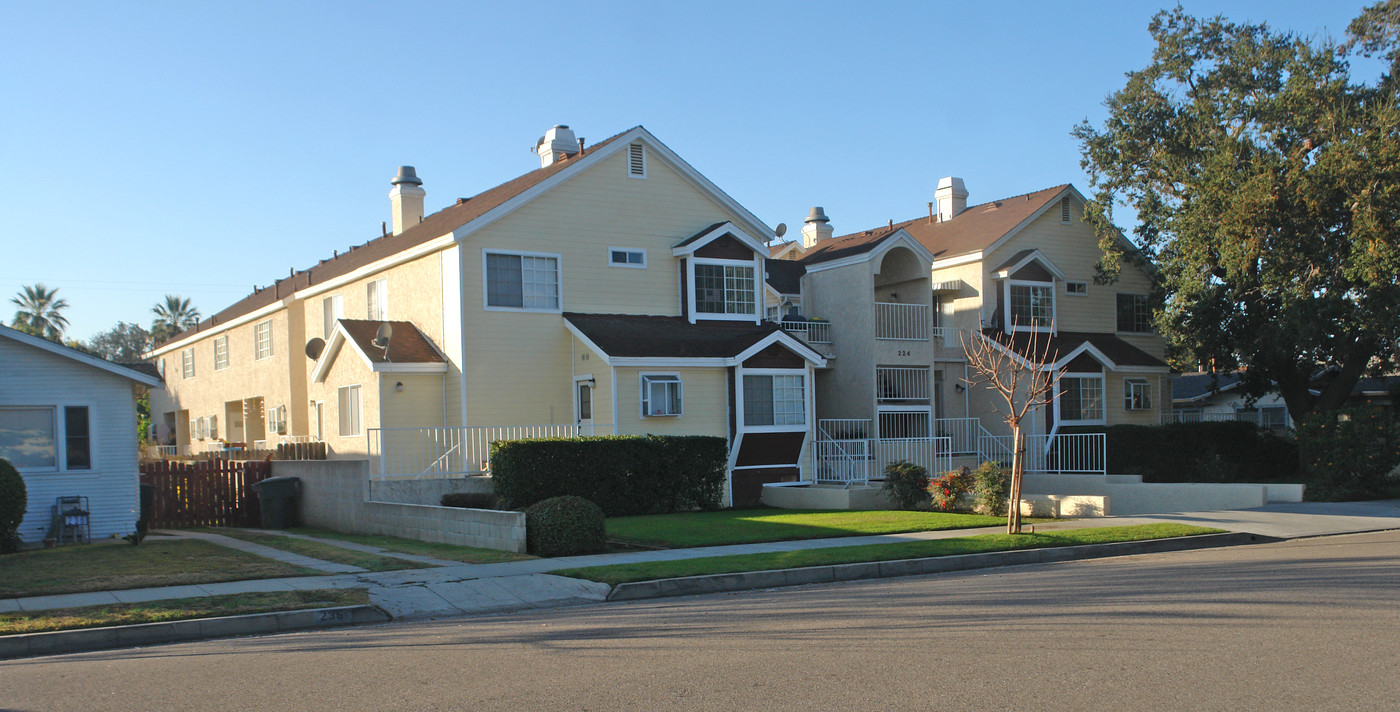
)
(564, 526)
(631, 474)
(14, 501)
(1201, 452)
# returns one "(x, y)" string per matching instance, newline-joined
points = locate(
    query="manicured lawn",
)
(465, 554)
(103, 567)
(177, 609)
(625, 573)
(324, 552)
(746, 526)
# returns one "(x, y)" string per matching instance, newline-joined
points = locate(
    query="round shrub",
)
(906, 484)
(990, 489)
(14, 500)
(564, 526)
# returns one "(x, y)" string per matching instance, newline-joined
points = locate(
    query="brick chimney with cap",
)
(406, 199)
(815, 228)
(555, 145)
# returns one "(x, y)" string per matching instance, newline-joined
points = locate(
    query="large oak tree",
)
(1266, 180)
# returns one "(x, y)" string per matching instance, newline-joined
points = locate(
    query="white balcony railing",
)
(432, 453)
(844, 429)
(961, 432)
(930, 453)
(901, 384)
(902, 322)
(1079, 454)
(843, 462)
(813, 332)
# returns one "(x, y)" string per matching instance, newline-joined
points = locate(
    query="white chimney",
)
(557, 144)
(951, 196)
(816, 227)
(406, 199)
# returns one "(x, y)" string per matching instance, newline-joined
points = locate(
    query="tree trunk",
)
(1018, 465)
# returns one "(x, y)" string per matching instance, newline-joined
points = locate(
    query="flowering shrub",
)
(949, 489)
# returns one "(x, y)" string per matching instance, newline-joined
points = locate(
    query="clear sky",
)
(199, 148)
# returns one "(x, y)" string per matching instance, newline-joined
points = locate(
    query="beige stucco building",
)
(612, 289)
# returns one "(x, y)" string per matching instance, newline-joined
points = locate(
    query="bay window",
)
(1032, 306)
(725, 289)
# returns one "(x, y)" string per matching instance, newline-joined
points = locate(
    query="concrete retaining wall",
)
(426, 491)
(333, 496)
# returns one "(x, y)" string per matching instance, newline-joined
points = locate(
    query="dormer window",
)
(724, 289)
(1032, 306)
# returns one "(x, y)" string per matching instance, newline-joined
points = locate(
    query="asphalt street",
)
(1306, 624)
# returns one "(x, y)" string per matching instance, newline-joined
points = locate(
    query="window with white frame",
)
(262, 340)
(627, 257)
(213, 427)
(1137, 394)
(187, 363)
(661, 394)
(332, 310)
(28, 437)
(77, 438)
(220, 352)
(1032, 306)
(349, 407)
(1081, 398)
(1134, 313)
(277, 420)
(1078, 289)
(724, 289)
(519, 280)
(377, 300)
(774, 399)
(201, 428)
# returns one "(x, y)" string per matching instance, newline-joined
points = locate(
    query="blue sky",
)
(201, 148)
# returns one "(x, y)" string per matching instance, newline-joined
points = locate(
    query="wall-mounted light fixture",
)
(399, 386)
(959, 387)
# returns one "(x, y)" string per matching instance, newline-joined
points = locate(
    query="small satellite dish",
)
(381, 337)
(780, 230)
(314, 348)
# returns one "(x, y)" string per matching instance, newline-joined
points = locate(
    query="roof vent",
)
(951, 196)
(816, 227)
(555, 145)
(407, 175)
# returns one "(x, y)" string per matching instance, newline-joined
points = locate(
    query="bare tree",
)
(1022, 383)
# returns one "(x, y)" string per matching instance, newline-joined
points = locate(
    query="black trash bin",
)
(278, 498)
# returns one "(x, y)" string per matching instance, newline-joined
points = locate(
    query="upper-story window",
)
(377, 300)
(724, 289)
(262, 340)
(332, 310)
(527, 281)
(187, 363)
(1032, 306)
(1134, 313)
(627, 257)
(221, 352)
(774, 399)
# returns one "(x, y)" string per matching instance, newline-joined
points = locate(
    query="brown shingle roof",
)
(973, 229)
(432, 226)
(785, 276)
(407, 345)
(1061, 344)
(628, 336)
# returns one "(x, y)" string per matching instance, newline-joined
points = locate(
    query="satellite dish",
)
(381, 337)
(780, 230)
(314, 348)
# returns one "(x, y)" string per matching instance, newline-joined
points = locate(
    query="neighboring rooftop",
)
(1192, 387)
(785, 276)
(407, 345)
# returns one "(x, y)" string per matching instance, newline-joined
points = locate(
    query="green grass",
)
(115, 566)
(177, 609)
(465, 554)
(324, 552)
(626, 573)
(747, 526)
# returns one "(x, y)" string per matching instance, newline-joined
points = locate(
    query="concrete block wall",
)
(426, 491)
(333, 496)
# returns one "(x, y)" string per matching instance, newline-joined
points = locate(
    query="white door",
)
(584, 403)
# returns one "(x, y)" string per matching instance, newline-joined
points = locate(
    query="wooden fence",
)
(211, 493)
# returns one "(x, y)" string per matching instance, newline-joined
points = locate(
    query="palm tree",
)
(40, 311)
(172, 317)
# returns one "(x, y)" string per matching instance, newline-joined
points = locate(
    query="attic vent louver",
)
(1064, 210)
(636, 161)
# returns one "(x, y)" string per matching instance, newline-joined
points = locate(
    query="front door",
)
(585, 407)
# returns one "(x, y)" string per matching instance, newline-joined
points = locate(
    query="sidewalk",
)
(455, 589)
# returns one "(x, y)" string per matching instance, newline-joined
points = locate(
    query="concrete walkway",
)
(453, 588)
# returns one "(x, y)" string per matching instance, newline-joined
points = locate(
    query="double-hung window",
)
(262, 340)
(1081, 398)
(221, 352)
(661, 394)
(1137, 394)
(1134, 313)
(724, 289)
(349, 407)
(774, 400)
(332, 310)
(187, 363)
(1032, 306)
(522, 280)
(377, 300)
(28, 437)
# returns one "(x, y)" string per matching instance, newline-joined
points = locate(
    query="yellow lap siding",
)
(704, 395)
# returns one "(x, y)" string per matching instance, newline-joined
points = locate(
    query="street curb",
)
(128, 636)
(719, 583)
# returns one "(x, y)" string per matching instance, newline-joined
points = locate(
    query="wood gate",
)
(211, 493)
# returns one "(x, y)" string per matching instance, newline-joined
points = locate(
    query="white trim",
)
(271, 349)
(777, 337)
(1034, 256)
(898, 238)
(80, 357)
(668, 362)
(578, 334)
(416, 367)
(725, 228)
(628, 250)
(956, 261)
(1103, 400)
(642, 155)
(807, 387)
(759, 280)
(1083, 348)
(558, 281)
(1009, 325)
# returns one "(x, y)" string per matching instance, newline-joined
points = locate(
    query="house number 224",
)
(905, 353)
